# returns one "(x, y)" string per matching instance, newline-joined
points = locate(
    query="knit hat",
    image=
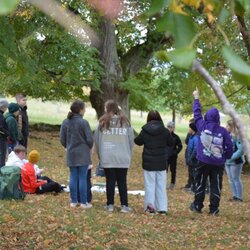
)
(3, 103)
(34, 156)
(193, 127)
(13, 107)
(171, 125)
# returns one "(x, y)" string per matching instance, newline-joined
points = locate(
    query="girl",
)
(235, 164)
(156, 139)
(76, 137)
(114, 144)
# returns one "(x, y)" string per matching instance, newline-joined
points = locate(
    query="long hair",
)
(75, 108)
(112, 108)
(232, 124)
(154, 115)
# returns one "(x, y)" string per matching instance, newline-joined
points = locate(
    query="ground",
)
(47, 221)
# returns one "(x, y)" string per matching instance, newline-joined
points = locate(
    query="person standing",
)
(214, 147)
(3, 132)
(156, 140)
(76, 137)
(174, 150)
(235, 163)
(23, 120)
(191, 152)
(114, 139)
(11, 120)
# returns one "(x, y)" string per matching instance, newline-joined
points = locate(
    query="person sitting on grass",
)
(17, 158)
(31, 184)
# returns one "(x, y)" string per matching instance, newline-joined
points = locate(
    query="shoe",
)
(171, 186)
(150, 209)
(194, 208)
(214, 213)
(109, 208)
(162, 212)
(73, 204)
(234, 198)
(126, 209)
(86, 205)
(65, 189)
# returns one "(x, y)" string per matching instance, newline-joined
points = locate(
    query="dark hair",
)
(112, 108)
(19, 148)
(154, 115)
(75, 108)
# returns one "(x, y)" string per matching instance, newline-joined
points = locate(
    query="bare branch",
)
(226, 106)
(73, 23)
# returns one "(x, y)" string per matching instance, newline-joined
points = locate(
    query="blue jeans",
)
(233, 173)
(155, 183)
(78, 184)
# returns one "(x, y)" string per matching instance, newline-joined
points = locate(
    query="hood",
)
(8, 115)
(154, 127)
(212, 115)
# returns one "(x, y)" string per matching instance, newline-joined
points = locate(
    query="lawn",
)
(47, 221)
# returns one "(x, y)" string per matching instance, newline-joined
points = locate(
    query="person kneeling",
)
(29, 179)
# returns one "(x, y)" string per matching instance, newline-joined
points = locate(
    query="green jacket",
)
(12, 127)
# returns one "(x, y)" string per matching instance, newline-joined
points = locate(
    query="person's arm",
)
(13, 130)
(34, 183)
(239, 152)
(170, 139)
(178, 144)
(139, 139)
(3, 130)
(88, 134)
(199, 122)
(96, 140)
(131, 137)
(63, 135)
(228, 145)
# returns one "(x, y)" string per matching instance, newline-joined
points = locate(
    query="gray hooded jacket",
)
(114, 146)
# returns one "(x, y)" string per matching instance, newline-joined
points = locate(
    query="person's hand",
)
(196, 93)
(42, 170)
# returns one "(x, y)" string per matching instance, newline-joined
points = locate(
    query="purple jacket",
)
(215, 144)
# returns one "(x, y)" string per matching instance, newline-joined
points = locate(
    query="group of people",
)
(210, 147)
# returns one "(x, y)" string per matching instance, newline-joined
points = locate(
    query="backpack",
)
(11, 183)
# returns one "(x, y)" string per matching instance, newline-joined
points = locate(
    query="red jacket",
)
(29, 180)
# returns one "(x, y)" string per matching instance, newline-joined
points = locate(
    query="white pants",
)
(155, 183)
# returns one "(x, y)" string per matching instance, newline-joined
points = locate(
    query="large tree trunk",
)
(113, 75)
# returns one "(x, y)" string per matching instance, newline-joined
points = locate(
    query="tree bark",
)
(173, 115)
(227, 107)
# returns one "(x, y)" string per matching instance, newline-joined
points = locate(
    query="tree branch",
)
(226, 106)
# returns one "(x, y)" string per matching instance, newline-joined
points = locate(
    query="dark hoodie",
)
(214, 145)
(156, 139)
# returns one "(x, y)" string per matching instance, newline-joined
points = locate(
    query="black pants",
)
(3, 151)
(172, 162)
(190, 176)
(118, 175)
(89, 185)
(24, 141)
(50, 186)
(215, 174)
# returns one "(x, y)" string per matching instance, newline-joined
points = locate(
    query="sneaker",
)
(194, 208)
(162, 212)
(214, 213)
(150, 209)
(65, 189)
(109, 208)
(86, 205)
(126, 209)
(171, 186)
(73, 204)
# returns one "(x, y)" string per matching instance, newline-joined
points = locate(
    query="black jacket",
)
(3, 126)
(25, 121)
(176, 148)
(156, 139)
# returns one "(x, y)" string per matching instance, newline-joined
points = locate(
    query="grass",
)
(47, 221)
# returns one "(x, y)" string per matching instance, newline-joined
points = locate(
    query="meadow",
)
(48, 222)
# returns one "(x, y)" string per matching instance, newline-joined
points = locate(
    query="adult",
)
(214, 147)
(23, 120)
(235, 163)
(11, 120)
(114, 139)
(3, 132)
(173, 152)
(76, 137)
(156, 140)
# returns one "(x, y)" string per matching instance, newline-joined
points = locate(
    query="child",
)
(29, 179)
(23, 120)
(156, 139)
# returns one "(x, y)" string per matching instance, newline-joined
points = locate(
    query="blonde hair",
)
(232, 124)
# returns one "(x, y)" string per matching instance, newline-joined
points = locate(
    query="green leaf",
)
(161, 55)
(240, 69)
(242, 6)
(157, 6)
(180, 26)
(7, 6)
(182, 58)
